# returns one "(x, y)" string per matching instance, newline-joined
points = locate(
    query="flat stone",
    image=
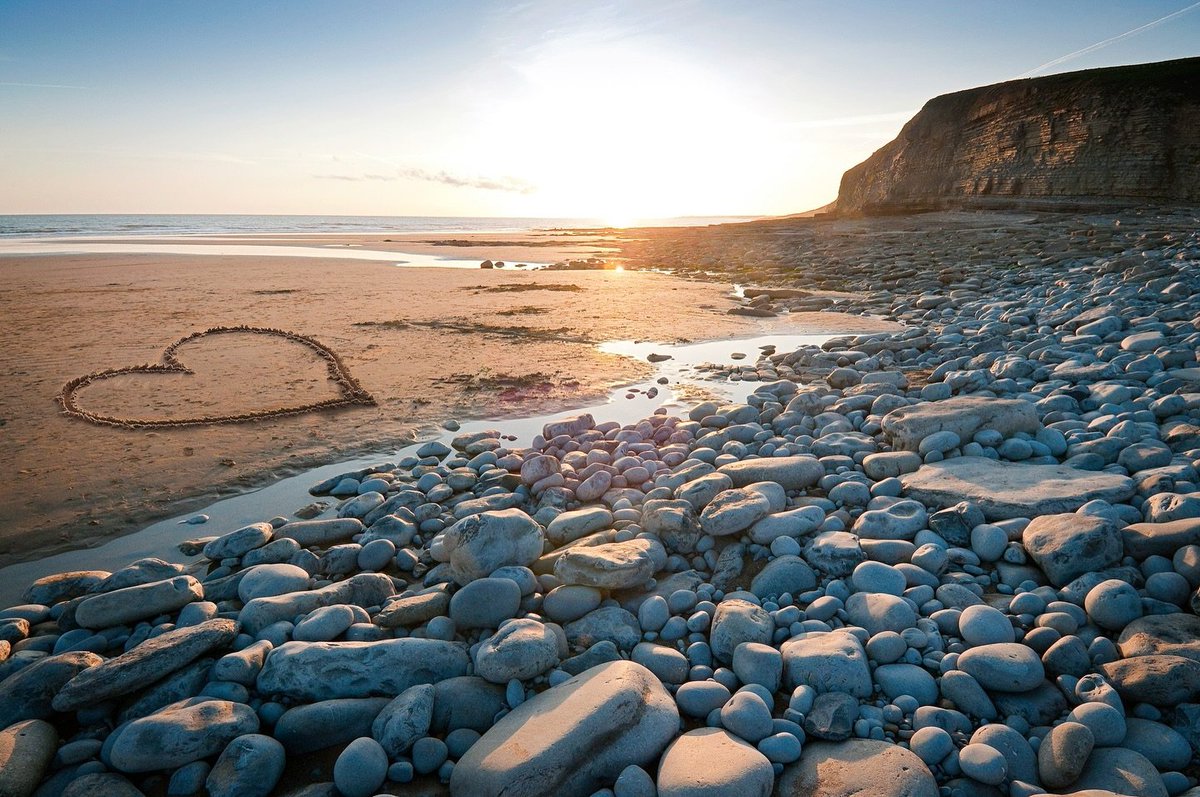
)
(1159, 679)
(828, 662)
(574, 738)
(364, 589)
(145, 664)
(733, 511)
(313, 671)
(1005, 490)
(615, 565)
(578, 523)
(1066, 546)
(26, 749)
(139, 602)
(878, 612)
(1173, 634)
(711, 761)
(27, 693)
(103, 784)
(1160, 539)
(858, 767)
(179, 734)
(320, 533)
(485, 603)
(964, 416)
(49, 590)
(606, 624)
(791, 473)
(269, 580)
(237, 544)
(414, 610)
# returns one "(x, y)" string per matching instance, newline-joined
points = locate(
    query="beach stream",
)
(685, 385)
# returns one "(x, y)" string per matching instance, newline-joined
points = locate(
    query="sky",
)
(614, 110)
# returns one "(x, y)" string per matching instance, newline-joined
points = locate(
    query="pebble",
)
(361, 768)
(931, 537)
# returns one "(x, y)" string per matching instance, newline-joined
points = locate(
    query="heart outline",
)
(352, 393)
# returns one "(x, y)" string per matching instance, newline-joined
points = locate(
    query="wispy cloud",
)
(512, 184)
(42, 85)
(1091, 48)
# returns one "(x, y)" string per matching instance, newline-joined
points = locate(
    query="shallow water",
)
(624, 405)
(70, 247)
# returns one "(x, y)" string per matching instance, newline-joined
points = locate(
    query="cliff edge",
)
(1085, 138)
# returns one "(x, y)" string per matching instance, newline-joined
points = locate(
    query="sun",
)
(653, 155)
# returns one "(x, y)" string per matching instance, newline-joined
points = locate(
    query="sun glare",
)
(628, 130)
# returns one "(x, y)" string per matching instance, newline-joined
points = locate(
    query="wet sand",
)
(428, 344)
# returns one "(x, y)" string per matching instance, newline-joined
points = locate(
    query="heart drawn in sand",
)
(350, 391)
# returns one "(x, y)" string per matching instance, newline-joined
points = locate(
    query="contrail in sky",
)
(1093, 47)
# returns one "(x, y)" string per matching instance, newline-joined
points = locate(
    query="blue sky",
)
(610, 109)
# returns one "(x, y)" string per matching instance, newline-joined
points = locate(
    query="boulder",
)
(479, 544)
(906, 427)
(1005, 490)
(710, 762)
(831, 661)
(179, 734)
(1067, 546)
(145, 664)
(791, 473)
(572, 739)
(858, 767)
(312, 671)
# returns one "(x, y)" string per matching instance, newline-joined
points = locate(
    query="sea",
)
(122, 225)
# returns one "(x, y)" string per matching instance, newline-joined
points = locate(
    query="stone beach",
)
(962, 558)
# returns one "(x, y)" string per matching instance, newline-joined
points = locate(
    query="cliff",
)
(1087, 138)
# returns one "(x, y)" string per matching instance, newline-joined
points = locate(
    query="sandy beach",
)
(429, 344)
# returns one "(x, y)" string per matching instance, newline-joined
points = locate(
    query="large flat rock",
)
(315, 671)
(965, 415)
(1006, 490)
(858, 767)
(572, 739)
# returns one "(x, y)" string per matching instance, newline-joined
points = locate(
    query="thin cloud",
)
(43, 85)
(1091, 48)
(511, 184)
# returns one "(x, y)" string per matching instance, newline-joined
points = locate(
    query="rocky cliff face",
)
(1087, 137)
